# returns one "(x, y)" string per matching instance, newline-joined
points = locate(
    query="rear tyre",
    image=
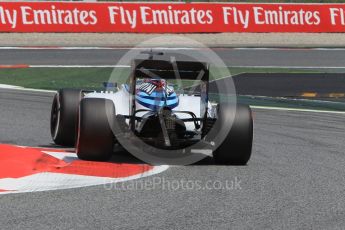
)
(95, 140)
(236, 148)
(64, 115)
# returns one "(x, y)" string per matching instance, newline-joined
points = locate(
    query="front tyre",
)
(64, 115)
(95, 140)
(236, 148)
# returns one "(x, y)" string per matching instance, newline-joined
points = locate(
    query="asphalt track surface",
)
(294, 180)
(315, 58)
(286, 84)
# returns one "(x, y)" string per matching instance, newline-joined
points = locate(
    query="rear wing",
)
(185, 70)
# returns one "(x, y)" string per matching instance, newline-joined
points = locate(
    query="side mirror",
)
(110, 86)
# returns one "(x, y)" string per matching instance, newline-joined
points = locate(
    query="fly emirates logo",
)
(168, 16)
(240, 16)
(261, 16)
(50, 16)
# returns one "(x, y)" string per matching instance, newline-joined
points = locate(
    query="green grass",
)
(55, 78)
(92, 78)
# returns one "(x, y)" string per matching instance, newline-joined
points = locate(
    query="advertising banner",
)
(169, 17)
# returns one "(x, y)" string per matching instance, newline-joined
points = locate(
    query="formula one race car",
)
(149, 109)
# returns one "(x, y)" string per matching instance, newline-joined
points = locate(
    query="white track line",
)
(289, 48)
(221, 78)
(37, 90)
(161, 48)
(14, 87)
(128, 66)
(90, 48)
(288, 67)
(79, 66)
(297, 109)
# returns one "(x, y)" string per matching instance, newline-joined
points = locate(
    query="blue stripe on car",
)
(156, 107)
(155, 98)
(158, 101)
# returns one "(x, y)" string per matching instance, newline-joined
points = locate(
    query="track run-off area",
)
(294, 180)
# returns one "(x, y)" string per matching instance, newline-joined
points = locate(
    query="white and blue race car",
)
(148, 110)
